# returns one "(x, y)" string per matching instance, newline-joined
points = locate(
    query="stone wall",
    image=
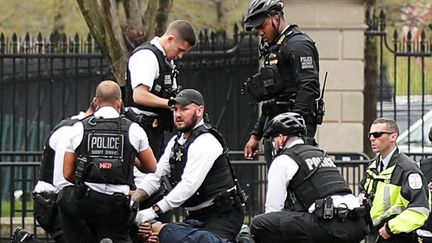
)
(337, 26)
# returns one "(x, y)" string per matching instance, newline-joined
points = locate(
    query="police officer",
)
(99, 158)
(51, 179)
(307, 197)
(288, 81)
(50, 182)
(394, 187)
(425, 232)
(199, 171)
(151, 80)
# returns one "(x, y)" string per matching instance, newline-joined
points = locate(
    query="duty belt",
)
(106, 198)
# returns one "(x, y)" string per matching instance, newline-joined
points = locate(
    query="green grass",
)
(403, 71)
(18, 207)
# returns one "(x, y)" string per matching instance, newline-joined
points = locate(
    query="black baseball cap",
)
(186, 97)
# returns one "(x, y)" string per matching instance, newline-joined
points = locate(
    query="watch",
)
(157, 210)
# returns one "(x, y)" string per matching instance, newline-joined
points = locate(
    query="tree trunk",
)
(116, 39)
(370, 89)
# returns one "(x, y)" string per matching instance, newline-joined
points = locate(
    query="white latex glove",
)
(145, 215)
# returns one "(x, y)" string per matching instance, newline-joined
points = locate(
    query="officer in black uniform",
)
(307, 200)
(425, 233)
(199, 171)
(99, 158)
(151, 81)
(288, 81)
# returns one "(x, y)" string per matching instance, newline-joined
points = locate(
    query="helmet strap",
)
(275, 27)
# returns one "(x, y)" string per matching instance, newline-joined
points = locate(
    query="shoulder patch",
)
(306, 62)
(415, 181)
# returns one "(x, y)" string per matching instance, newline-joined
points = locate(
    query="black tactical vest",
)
(46, 170)
(317, 176)
(286, 70)
(162, 86)
(108, 151)
(218, 179)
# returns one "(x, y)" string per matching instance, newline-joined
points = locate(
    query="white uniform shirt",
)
(55, 143)
(281, 172)
(137, 137)
(144, 69)
(201, 155)
(385, 161)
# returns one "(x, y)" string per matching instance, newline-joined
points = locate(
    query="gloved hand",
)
(145, 215)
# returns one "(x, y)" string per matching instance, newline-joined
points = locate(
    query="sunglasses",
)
(378, 134)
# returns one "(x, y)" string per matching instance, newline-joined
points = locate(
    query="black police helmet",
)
(259, 10)
(288, 123)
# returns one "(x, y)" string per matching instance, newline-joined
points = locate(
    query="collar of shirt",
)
(295, 142)
(386, 160)
(182, 140)
(106, 112)
(81, 115)
(155, 42)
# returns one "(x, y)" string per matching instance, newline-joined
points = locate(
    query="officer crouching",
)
(199, 171)
(99, 159)
(307, 200)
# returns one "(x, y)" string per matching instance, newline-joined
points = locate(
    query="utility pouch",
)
(271, 79)
(328, 208)
(106, 170)
(264, 84)
(254, 87)
(324, 208)
(45, 210)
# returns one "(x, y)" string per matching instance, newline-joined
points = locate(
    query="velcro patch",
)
(415, 181)
(306, 62)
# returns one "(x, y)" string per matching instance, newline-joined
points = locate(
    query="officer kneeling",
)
(307, 198)
(199, 172)
(100, 156)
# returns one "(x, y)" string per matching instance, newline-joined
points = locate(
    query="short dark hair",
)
(184, 30)
(389, 122)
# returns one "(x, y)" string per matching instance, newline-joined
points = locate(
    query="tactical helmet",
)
(259, 10)
(288, 123)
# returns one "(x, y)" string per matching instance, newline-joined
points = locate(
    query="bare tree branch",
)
(162, 16)
(133, 16)
(116, 38)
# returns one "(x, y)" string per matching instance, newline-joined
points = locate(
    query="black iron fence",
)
(405, 78)
(17, 207)
(43, 80)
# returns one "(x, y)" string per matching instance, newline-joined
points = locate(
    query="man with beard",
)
(196, 163)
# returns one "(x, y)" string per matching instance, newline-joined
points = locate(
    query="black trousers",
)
(106, 215)
(224, 224)
(75, 228)
(47, 215)
(289, 226)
